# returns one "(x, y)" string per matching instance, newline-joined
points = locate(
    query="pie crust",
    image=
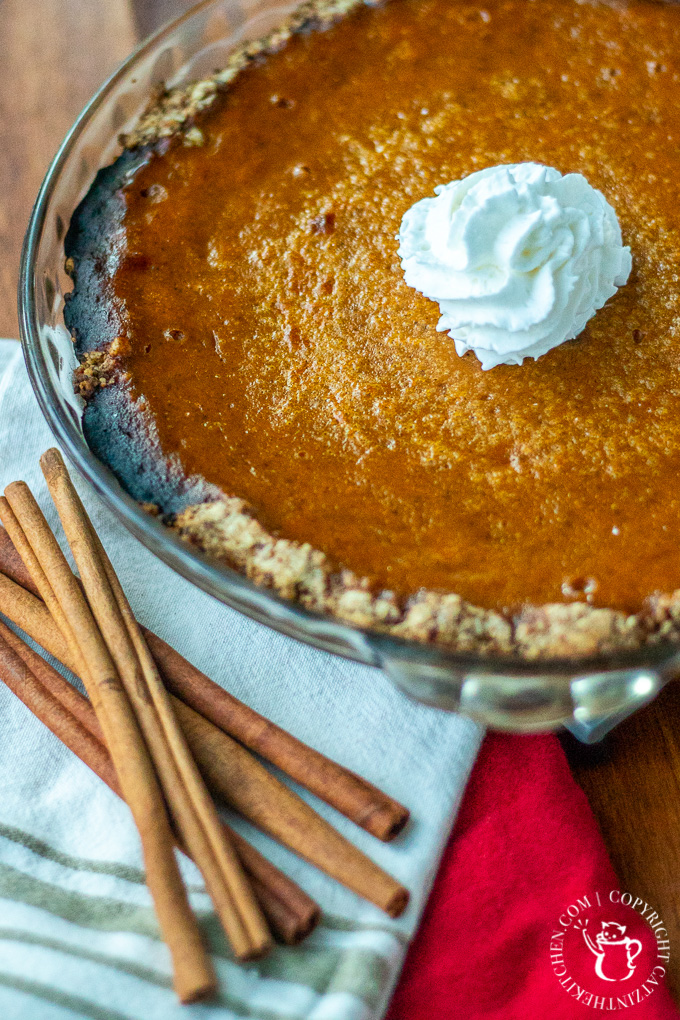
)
(226, 528)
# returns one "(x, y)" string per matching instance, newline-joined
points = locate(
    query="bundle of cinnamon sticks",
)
(169, 740)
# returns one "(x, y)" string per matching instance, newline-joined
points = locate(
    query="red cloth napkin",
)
(524, 848)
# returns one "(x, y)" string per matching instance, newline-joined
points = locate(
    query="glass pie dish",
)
(589, 696)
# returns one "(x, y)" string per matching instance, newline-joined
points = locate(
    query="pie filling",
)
(268, 348)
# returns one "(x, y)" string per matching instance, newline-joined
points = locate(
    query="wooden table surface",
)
(54, 54)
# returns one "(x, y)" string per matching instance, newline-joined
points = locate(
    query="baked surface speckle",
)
(229, 527)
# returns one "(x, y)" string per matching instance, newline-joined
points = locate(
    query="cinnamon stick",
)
(191, 806)
(12, 565)
(356, 798)
(241, 781)
(258, 939)
(194, 975)
(23, 547)
(55, 685)
(350, 794)
(67, 720)
(233, 774)
(291, 913)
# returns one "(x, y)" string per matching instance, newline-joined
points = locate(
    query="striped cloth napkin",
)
(78, 937)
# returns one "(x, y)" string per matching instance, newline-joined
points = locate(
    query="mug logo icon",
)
(613, 950)
(609, 950)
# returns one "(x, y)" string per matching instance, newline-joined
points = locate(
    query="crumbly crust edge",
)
(228, 530)
(174, 111)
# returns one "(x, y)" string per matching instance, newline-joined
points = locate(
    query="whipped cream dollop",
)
(519, 258)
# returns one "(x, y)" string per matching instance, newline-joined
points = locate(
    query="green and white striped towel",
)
(78, 936)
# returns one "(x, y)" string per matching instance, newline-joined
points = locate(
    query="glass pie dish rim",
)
(222, 581)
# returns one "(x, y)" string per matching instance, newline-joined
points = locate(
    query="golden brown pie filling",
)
(282, 357)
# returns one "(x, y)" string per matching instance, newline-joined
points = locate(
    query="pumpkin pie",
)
(257, 371)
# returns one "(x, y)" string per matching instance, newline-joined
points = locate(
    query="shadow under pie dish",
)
(259, 374)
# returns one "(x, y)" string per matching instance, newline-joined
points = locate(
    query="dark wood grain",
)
(54, 54)
(150, 14)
